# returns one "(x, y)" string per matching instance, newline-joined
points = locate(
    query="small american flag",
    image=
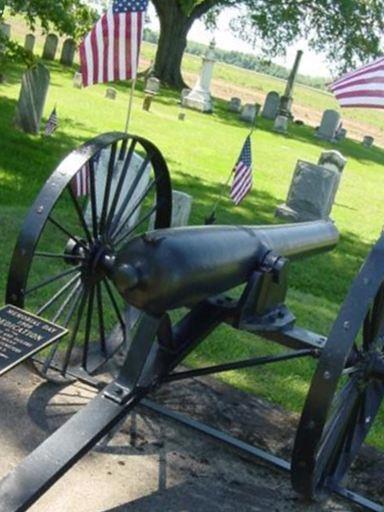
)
(363, 87)
(110, 51)
(242, 181)
(52, 123)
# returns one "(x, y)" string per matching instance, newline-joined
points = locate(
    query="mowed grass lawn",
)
(200, 152)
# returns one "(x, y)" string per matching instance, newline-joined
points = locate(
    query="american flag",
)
(52, 123)
(80, 182)
(110, 51)
(363, 87)
(242, 181)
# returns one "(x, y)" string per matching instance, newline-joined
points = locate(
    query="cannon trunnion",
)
(107, 266)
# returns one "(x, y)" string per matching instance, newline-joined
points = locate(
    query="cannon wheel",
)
(347, 388)
(57, 269)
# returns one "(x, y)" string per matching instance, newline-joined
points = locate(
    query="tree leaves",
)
(70, 17)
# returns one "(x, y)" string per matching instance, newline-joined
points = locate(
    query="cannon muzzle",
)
(171, 268)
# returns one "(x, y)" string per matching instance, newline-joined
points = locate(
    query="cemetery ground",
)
(200, 153)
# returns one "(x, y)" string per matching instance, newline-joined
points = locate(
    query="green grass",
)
(200, 153)
(255, 83)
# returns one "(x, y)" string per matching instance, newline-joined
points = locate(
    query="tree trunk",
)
(174, 27)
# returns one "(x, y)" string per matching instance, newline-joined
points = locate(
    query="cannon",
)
(103, 263)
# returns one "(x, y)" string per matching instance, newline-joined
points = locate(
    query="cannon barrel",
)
(171, 268)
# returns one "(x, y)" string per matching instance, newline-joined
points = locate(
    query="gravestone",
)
(5, 29)
(234, 105)
(281, 124)
(50, 47)
(29, 42)
(249, 112)
(311, 194)
(184, 94)
(341, 134)
(181, 208)
(329, 125)
(147, 102)
(334, 161)
(271, 105)
(111, 93)
(33, 93)
(286, 99)
(101, 174)
(152, 85)
(68, 52)
(77, 80)
(200, 97)
(368, 141)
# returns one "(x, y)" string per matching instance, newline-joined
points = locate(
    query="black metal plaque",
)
(22, 335)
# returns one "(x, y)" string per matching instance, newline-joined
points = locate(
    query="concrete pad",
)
(152, 464)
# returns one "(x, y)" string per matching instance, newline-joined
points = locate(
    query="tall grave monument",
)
(200, 97)
(284, 113)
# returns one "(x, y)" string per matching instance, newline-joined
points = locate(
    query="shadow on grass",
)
(26, 161)
(327, 275)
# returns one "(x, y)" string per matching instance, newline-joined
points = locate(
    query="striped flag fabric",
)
(80, 183)
(242, 181)
(52, 123)
(363, 87)
(110, 51)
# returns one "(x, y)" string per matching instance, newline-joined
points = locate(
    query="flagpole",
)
(211, 219)
(130, 105)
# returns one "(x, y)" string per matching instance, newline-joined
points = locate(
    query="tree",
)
(348, 31)
(69, 17)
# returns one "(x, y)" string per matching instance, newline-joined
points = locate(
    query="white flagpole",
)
(130, 105)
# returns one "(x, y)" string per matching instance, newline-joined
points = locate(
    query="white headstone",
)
(329, 125)
(152, 85)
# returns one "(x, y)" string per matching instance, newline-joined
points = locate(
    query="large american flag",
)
(111, 49)
(363, 87)
(242, 181)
